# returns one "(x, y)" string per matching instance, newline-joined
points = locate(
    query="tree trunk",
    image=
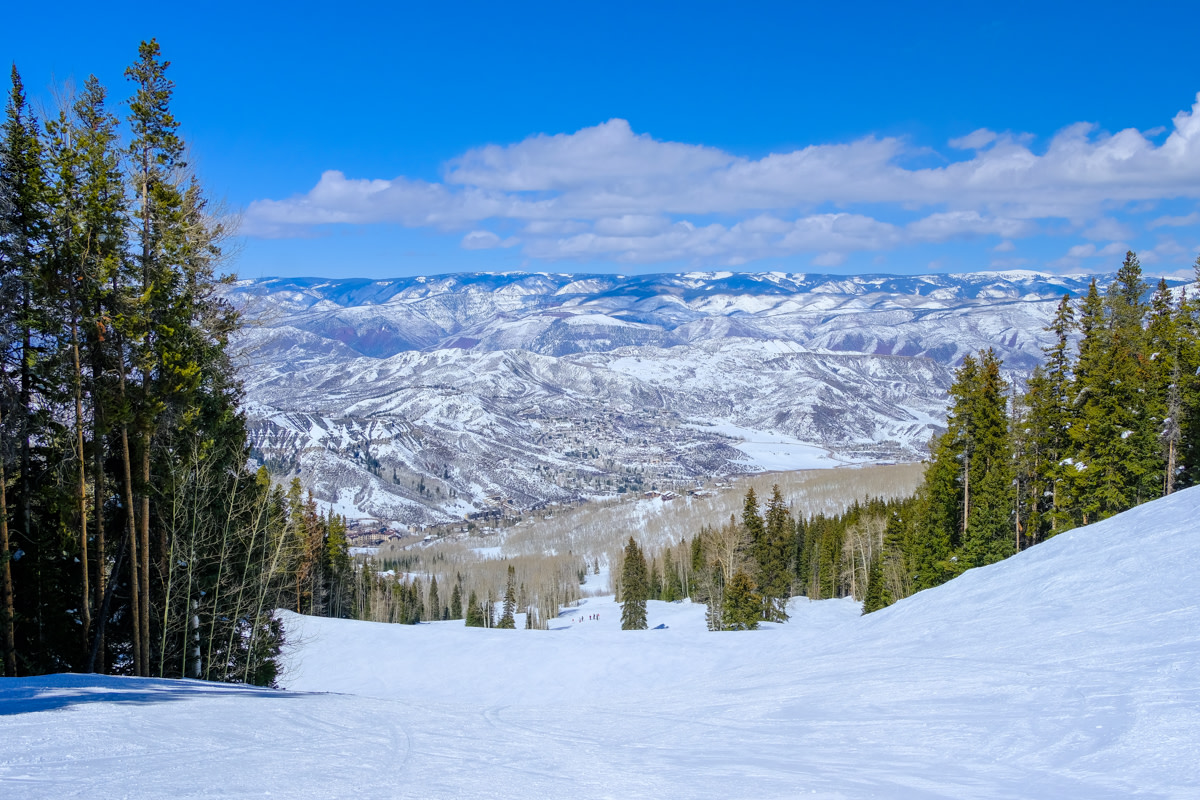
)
(134, 582)
(1054, 505)
(26, 461)
(86, 608)
(966, 494)
(102, 611)
(10, 644)
(98, 516)
(1017, 510)
(144, 587)
(1170, 477)
(194, 653)
(145, 547)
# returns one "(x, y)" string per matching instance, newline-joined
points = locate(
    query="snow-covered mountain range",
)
(422, 399)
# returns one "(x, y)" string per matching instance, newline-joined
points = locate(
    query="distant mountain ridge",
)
(422, 399)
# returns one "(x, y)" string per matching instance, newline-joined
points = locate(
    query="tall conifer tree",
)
(635, 588)
(774, 557)
(507, 615)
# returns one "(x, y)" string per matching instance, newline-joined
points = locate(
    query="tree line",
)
(1110, 420)
(133, 538)
(415, 585)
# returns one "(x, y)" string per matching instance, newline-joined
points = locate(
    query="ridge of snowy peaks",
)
(1068, 671)
(558, 313)
(418, 400)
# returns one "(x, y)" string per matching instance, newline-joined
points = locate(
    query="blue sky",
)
(389, 140)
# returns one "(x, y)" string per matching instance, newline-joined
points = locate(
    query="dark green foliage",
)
(635, 588)
(672, 585)
(697, 565)
(1188, 330)
(434, 604)
(1098, 431)
(475, 614)
(336, 569)
(507, 615)
(123, 452)
(877, 594)
(1044, 434)
(654, 584)
(743, 605)
(831, 550)
(774, 552)
(456, 609)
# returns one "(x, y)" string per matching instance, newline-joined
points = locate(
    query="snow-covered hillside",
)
(422, 399)
(1069, 671)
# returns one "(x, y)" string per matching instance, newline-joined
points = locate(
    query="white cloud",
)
(608, 192)
(956, 224)
(1090, 250)
(480, 240)
(1004, 247)
(1009, 263)
(975, 140)
(1107, 229)
(632, 225)
(609, 155)
(829, 259)
(1167, 251)
(1184, 221)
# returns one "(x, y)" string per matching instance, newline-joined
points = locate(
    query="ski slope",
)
(1069, 671)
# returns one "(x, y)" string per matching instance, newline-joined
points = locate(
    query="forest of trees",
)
(133, 538)
(1109, 421)
(421, 585)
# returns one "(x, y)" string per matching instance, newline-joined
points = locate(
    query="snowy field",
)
(766, 450)
(1069, 671)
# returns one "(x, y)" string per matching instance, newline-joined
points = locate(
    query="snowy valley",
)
(421, 400)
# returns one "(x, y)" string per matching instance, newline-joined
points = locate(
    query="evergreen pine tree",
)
(456, 610)
(1116, 456)
(743, 605)
(989, 535)
(654, 582)
(337, 566)
(25, 227)
(1047, 424)
(967, 494)
(27, 333)
(774, 554)
(671, 590)
(435, 603)
(474, 612)
(635, 589)
(1164, 401)
(753, 523)
(116, 387)
(1188, 331)
(877, 593)
(507, 615)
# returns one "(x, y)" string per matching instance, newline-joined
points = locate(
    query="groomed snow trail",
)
(1069, 671)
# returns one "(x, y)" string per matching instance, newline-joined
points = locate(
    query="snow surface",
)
(1069, 671)
(774, 451)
